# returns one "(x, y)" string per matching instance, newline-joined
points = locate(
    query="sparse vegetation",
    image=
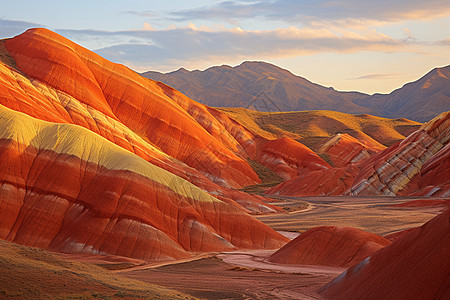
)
(314, 128)
(267, 176)
(30, 273)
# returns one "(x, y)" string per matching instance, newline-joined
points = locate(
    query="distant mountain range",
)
(266, 87)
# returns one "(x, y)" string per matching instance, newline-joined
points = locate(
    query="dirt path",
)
(257, 259)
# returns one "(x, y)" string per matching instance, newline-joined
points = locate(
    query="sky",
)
(366, 46)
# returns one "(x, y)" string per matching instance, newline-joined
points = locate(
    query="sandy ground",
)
(211, 278)
(372, 214)
(258, 259)
(246, 274)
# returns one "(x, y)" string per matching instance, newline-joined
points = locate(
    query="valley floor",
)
(373, 214)
(242, 274)
(246, 274)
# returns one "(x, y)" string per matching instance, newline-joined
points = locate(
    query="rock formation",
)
(417, 165)
(392, 170)
(343, 149)
(415, 266)
(67, 189)
(98, 159)
(95, 158)
(329, 246)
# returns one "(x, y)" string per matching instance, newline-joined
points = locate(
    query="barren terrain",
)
(248, 275)
(372, 214)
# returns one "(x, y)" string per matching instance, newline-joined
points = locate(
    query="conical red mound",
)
(343, 149)
(329, 246)
(415, 266)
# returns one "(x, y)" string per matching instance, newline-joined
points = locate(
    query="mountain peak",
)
(260, 85)
(181, 70)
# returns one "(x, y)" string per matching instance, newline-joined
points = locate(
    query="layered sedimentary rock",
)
(419, 155)
(327, 182)
(67, 189)
(119, 94)
(329, 246)
(289, 158)
(415, 266)
(60, 81)
(97, 159)
(343, 149)
(418, 165)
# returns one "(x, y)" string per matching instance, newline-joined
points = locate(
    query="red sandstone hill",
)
(417, 165)
(329, 246)
(414, 266)
(97, 159)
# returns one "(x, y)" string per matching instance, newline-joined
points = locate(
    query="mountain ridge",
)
(253, 85)
(426, 97)
(263, 86)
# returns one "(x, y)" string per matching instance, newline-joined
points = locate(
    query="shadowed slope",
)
(252, 84)
(420, 100)
(415, 266)
(266, 87)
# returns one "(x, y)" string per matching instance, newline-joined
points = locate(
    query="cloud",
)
(179, 46)
(10, 28)
(377, 76)
(143, 14)
(445, 42)
(307, 11)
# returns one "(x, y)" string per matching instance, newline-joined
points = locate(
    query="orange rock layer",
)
(329, 246)
(60, 81)
(129, 167)
(392, 170)
(415, 266)
(120, 95)
(67, 189)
